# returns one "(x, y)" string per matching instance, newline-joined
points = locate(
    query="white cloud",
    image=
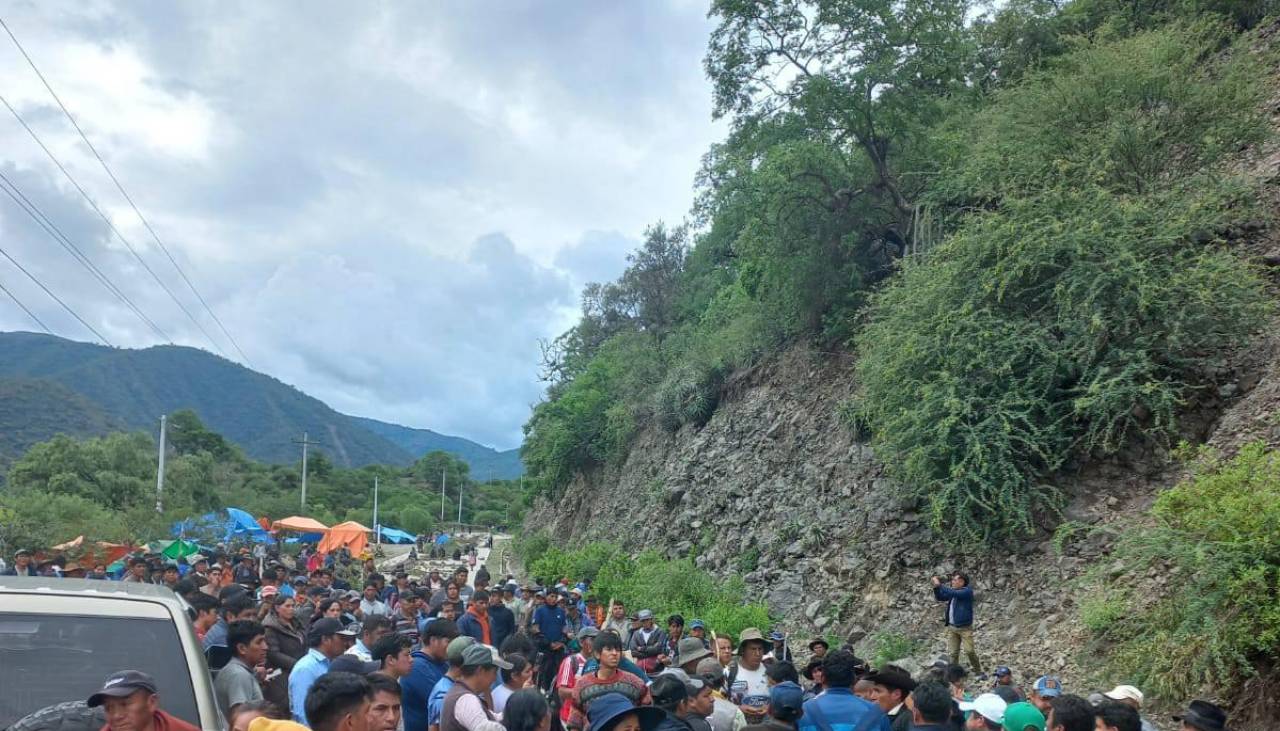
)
(331, 176)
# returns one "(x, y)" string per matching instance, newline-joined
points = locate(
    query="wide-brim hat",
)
(691, 649)
(605, 711)
(751, 634)
(1205, 716)
(818, 641)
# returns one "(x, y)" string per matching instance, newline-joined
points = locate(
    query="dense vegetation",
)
(119, 388)
(105, 489)
(1215, 546)
(1018, 221)
(647, 581)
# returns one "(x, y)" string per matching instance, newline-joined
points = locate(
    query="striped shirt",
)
(589, 687)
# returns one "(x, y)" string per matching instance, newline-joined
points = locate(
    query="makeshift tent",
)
(299, 524)
(180, 549)
(442, 539)
(90, 554)
(394, 535)
(210, 527)
(351, 535)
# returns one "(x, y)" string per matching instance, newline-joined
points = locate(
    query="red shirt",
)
(165, 722)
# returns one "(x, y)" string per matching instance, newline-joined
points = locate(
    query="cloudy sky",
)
(387, 204)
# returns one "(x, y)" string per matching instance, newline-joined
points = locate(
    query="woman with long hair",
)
(331, 608)
(286, 644)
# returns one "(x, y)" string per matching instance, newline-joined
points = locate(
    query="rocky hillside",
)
(1099, 282)
(777, 488)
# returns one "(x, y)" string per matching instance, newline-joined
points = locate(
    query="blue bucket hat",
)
(605, 711)
(697, 624)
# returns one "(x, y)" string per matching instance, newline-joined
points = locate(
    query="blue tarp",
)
(442, 539)
(235, 524)
(393, 535)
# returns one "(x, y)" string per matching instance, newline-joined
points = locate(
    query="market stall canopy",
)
(395, 535)
(300, 524)
(180, 549)
(351, 535)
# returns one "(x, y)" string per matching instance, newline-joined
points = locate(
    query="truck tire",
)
(69, 716)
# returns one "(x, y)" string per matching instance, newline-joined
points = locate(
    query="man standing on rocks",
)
(959, 617)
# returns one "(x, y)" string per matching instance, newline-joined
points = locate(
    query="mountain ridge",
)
(111, 388)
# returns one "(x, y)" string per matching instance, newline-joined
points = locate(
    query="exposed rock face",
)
(776, 489)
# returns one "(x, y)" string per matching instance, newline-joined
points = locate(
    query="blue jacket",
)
(502, 624)
(838, 709)
(959, 605)
(470, 626)
(416, 688)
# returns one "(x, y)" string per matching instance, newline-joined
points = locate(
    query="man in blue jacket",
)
(838, 709)
(959, 618)
(429, 665)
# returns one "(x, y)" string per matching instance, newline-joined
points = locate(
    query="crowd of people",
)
(297, 646)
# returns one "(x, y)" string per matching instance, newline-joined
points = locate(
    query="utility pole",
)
(377, 529)
(305, 443)
(459, 507)
(160, 470)
(444, 472)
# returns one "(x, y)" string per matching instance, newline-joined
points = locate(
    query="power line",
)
(30, 314)
(55, 297)
(94, 205)
(50, 228)
(132, 205)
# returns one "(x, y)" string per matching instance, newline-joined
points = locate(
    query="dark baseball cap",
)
(352, 664)
(121, 685)
(324, 627)
(786, 695)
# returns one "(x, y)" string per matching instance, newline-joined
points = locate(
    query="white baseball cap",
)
(1125, 693)
(988, 705)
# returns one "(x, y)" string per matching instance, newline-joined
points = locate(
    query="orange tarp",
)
(350, 534)
(300, 524)
(99, 552)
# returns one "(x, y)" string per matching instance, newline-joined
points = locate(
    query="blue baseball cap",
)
(697, 624)
(1002, 671)
(777, 636)
(1048, 686)
(605, 712)
(786, 695)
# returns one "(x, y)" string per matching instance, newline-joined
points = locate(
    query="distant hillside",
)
(486, 462)
(120, 388)
(35, 409)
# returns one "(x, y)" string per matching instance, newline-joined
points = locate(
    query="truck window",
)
(47, 659)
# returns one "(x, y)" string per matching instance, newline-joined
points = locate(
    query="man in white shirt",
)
(371, 605)
(367, 634)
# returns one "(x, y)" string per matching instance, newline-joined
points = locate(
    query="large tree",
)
(868, 74)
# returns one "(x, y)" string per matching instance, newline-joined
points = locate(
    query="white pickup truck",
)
(60, 638)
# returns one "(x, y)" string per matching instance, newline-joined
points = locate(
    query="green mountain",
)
(53, 385)
(35, 409)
